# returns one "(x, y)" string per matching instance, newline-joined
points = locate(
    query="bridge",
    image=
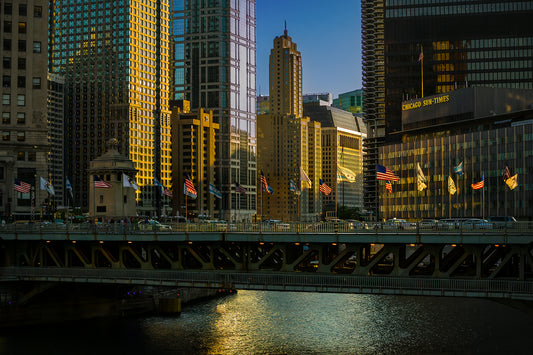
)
(324, 257)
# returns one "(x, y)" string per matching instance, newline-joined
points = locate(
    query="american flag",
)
(240, 189)
(325, 189)
(167, 192)
(506, 173)
(189, 187)
(388, 186)
(22, 186)
(100, 183)
(383, 173)
(479, 185)
(264, 183)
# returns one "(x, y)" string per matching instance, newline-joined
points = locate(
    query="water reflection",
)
(296, 323)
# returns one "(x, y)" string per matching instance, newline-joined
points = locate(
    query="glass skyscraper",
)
(414, 48)
(214, 67)
(114, 56)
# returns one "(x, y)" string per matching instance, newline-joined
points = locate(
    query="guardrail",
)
(320, 227)
(284, 281)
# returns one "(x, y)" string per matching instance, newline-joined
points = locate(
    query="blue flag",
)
(213, 190)
(293, 187)
(459, 169)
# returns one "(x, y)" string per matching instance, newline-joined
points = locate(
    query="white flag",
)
(129, 182)
(421, 180)
(304, 177)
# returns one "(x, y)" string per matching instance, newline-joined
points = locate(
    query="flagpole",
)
(483, 205)
(422, 68)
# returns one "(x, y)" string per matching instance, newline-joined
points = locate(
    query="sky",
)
(327, 34)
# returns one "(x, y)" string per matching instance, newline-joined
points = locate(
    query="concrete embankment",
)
(22, 305)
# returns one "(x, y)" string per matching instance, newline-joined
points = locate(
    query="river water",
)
(255, 322)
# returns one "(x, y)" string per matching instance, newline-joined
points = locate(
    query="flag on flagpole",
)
(388, 186)
(240, 189)
(459, 169)
(479, 185)
(421, 179)
(506, 173)
(22, 186)
(451, 186)
(213, 190)
(304, 177)
(265, 186)
(383, 173)
(101, 183)
(46, 185)
(512, 182)
(69, 187)
(129, 182)
(188, 187)
(325, 189)
(345, 174)
(167, 192)
(293, 187)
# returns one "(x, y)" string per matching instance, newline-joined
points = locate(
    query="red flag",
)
(479, 185)
(325, 189)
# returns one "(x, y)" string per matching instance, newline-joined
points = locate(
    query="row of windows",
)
(6, 136)
(21, 82)
(21, 45)
(22, 10)
(6, 118)
(459, 9)
(21, 99)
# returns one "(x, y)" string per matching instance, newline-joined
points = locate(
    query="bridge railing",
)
(310, 227)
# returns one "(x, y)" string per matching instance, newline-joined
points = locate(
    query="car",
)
(500, 222)
(397, 223)
(153, 225)
(476, 223)
(428, 224)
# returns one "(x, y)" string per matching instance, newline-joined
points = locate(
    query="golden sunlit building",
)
(193, 153)
(115, 60)
(288, 142)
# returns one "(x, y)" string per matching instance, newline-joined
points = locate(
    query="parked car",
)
(499, 222)
(428, 224)
(476, 223)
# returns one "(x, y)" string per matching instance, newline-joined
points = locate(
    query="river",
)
(255, 322)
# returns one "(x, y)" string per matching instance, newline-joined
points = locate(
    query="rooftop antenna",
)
(285, 27)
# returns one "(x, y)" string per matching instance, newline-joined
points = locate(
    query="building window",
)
(6, 118)
(36, 47)
(7, 44)
(7, 26)
(6, 63)
(8, 9)
(38, 11)
(6, 99)
(36, 83)
(5, 136)
(32, 156)
(22, 45)
(21, 118)
(22, 63)
(101, 198)
(22, 27)
(21, 82)
(20, 156)
(21, 136)
(21, 100)
(23, 10)
(6, 81)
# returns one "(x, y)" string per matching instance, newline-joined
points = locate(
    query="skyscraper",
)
(115, 60)
(214, 68)
(414, 48)
(288, 142)
(24, 147)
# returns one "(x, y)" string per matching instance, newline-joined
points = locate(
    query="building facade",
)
(414, 49)
(214, 67)
(56, 161)
(351, 101)
(24, 146)
(484, 130)
(115, 60)
(193, 153)
(288, 142)
(342, 154)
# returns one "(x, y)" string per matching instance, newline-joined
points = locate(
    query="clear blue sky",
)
(327, 34)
